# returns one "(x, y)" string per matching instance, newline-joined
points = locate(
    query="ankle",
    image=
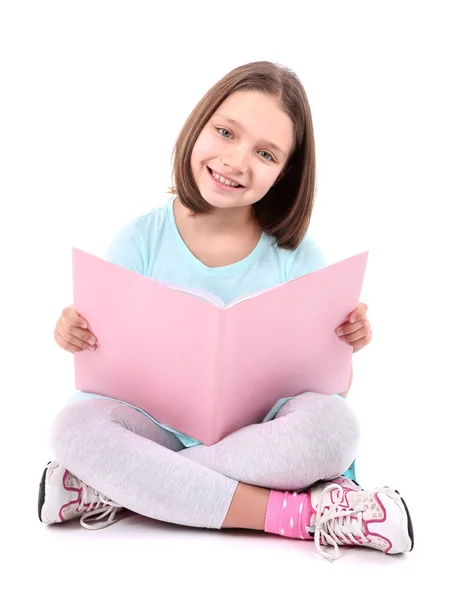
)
(288, 514)
(248, 508)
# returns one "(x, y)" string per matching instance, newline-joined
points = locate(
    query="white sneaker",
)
(62, 497)
(346, 515)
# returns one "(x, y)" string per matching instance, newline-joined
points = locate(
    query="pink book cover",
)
(207, 369)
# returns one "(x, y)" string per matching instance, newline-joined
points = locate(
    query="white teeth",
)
(223, 180)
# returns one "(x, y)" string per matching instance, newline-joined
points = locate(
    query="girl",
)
(244, 174)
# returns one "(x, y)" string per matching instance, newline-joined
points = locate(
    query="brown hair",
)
(285, 211)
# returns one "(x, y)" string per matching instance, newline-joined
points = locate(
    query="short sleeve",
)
(126, 249)
(307, 258)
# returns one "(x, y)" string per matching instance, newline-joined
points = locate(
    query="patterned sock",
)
(289, 514)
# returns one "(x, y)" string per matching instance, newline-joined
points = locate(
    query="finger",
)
(347, 328)
(360, 334)
(82, 334)
(67, 346)
(71, 323)
(358, 314)
(69, 315)
(71, 343)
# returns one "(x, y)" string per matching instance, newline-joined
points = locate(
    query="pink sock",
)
(288, 514)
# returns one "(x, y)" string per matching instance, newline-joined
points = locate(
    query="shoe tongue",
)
(347, 483)
(90, 496)
(96, 497)
(317, 492)
(351, 525)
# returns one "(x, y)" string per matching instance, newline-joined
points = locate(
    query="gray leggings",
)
(124, 455)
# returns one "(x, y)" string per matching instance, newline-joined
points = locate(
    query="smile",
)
(226, 183)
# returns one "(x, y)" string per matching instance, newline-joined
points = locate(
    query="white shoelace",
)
(102, 507)
(332, 524)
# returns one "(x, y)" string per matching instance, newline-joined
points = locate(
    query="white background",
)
(93, 95)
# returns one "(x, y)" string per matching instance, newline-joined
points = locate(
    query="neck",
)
(220, 221)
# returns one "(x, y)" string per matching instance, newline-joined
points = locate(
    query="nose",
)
(237, 161)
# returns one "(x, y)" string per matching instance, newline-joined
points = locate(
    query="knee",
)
(73, 423)
(343, 437)
(335, 431)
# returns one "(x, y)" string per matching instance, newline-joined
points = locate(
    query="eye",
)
(271, 158)
(223, 131)
(219, 129)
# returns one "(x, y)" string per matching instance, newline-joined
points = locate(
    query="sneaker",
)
(63, 496)
(347, 515)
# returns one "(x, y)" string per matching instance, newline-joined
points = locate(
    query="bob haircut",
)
(285, 211)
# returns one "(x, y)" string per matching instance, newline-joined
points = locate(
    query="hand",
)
(71, 332)
(357, 330)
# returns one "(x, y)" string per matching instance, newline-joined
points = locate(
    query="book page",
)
(252, 295)
(157, 348)
(208, 296)
(284, 343)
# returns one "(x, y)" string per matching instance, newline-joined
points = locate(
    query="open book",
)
(203, 368)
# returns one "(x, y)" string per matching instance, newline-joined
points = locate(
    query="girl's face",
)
(247, 141)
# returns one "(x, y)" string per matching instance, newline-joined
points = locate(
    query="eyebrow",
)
(271, 144)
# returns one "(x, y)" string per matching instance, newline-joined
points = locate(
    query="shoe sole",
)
(42, 492)
(409, 522)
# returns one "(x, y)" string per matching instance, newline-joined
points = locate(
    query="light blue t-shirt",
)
(151, 245)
